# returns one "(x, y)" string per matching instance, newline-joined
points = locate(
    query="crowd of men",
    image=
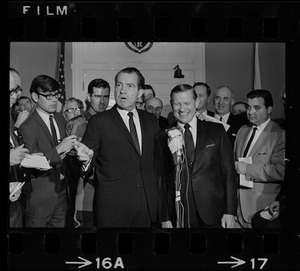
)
(130, 167)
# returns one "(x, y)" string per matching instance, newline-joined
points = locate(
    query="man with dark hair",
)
(203, 92)
(207, 190)
(239, 108)
(148, 92)
(122, 139)
(97, 97)
(44, 132)
(260, 157)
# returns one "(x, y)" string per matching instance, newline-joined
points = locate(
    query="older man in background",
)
(155, 106)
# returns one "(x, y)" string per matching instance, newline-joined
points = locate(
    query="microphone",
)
(175, 143)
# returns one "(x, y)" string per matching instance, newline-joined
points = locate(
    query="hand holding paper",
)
(35, 161)
(241, 169)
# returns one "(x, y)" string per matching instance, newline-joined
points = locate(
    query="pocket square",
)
(210, 145)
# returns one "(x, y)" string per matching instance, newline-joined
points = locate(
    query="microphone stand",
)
(178, 204)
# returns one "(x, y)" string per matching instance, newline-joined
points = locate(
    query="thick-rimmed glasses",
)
(72, 110)
(56, 95)
(15, 90)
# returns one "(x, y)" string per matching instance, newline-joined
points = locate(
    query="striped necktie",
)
(133, 132)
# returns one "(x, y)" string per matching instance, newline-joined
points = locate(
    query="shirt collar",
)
(43, 113)
(192, 123)
(124, 112)
(262, 126)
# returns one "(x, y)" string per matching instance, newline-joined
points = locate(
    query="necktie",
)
(189, 143)
(221, 119)
(133, 132)
(250, 141)
(53, 130)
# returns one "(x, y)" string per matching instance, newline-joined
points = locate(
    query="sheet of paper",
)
(243, 181)
(212, 119)
(266, 214)
(35, 161)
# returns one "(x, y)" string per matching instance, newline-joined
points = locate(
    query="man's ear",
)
(34, 97)
(270, 108)
(140, 93)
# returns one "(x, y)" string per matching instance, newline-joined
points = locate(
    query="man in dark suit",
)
(203, 92)
(17, 175)
(223, 102)
(208, 180)
(44, 131)
(122, 139)
(154, 106)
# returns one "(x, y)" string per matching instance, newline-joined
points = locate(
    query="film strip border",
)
(157, 21)
(180, 250)
(165, 22)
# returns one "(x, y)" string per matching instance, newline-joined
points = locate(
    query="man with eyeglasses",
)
(17, 174)
(17, 117)
(44, 131)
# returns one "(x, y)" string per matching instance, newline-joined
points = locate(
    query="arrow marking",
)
(239, 262)
(83, 264)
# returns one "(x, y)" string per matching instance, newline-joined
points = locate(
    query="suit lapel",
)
(61, 126)
(43, 126)
(263, 136)
(201, 134)
(243, 140)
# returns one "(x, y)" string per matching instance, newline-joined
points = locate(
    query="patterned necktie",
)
(133, 132)
(250, 141)
(189, 143)
(53, 130)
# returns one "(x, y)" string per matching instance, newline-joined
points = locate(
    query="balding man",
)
(223, 102)
(155, 105)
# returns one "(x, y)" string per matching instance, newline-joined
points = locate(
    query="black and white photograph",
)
(128, 141)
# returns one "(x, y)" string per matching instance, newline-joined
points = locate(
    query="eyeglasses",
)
(72, 110)
(15, 90)
(57, 95)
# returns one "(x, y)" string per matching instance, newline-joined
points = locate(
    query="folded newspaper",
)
(35, 161)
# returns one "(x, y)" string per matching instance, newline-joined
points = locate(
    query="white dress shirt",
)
(45, 117)
(224, 117)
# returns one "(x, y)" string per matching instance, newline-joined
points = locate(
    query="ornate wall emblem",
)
(139, 47)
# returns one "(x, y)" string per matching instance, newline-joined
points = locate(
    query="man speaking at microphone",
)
(208, 186)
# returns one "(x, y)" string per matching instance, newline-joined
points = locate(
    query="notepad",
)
(243, 181)
(35, 161)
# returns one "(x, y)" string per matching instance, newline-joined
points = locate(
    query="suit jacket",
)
(210, 113)
(163, 122)
(213, 174)
(267, 168)
(121, 174)
(45, 184)
(235, 122)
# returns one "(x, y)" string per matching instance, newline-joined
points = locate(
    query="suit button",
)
(139, 186)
